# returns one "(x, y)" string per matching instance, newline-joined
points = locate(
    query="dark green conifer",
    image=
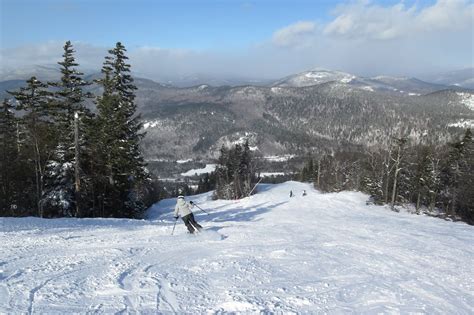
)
(118, 137)
(63, 176)
(8, 159)
(37, 104)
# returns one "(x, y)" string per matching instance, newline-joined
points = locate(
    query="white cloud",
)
(453, 15)
(369, 39)
(49, 53)
(363, 20)
(294, 34)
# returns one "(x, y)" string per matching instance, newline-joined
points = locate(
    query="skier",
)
(291, 193)
(183, 209)
(304, 193)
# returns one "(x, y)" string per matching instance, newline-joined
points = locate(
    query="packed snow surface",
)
(322, 253)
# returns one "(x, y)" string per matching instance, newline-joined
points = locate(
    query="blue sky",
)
(191, 24)
(245, 38)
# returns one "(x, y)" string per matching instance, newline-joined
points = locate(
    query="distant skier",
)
(183, 209)
(291, 193)
(304, 193)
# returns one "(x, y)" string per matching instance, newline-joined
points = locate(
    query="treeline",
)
(431, 177)
(234, 173)
(58, 158)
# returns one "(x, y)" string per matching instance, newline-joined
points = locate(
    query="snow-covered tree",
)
(234, 172)
(8, 158)
(36, 103)
(458, 179)
(397, 160)
(63, 175)
(119, 160)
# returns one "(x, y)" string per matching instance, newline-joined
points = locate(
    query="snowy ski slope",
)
(322, 253)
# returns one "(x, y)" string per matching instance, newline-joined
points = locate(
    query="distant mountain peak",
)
(314, 77)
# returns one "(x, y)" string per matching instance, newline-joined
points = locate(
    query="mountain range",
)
(317, 110)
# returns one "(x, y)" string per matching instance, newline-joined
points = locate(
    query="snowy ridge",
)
(314, 77)
(382, 84)
(322, 253)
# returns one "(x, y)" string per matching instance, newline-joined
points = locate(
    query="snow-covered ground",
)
(209, 168)
(322, 253)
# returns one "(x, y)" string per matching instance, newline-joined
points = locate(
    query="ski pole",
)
(255, 187)
(174, 225)
(200, 208)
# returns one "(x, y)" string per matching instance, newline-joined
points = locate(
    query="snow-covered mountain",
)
(335, 109)
(387, 84)
(286, 120)
(314, 77)
(268, 253)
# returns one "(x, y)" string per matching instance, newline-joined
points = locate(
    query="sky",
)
(262, 39)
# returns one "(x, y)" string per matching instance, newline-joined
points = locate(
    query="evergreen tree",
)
(119, 159)
(423, 179)
(246, 169)
(373, 175)
(206, 183)
(451, 177)
(466, 179)
(8, 162)
(308, 173)
(36, 103)
(234, 173)
(63, 179)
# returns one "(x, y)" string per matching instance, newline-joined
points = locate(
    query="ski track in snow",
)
(322, 253)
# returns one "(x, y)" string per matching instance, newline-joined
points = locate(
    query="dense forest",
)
(58, 158)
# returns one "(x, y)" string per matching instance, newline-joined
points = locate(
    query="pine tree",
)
(206, 183)
(308, 173)
(466, 179)
(36, 103)
(246, 170)
(8, 162)
(234, 172)
(119, 158)
(63, 180)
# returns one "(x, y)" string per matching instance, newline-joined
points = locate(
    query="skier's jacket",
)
(182, 208)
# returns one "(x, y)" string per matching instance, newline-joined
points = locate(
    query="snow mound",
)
(267, 253)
